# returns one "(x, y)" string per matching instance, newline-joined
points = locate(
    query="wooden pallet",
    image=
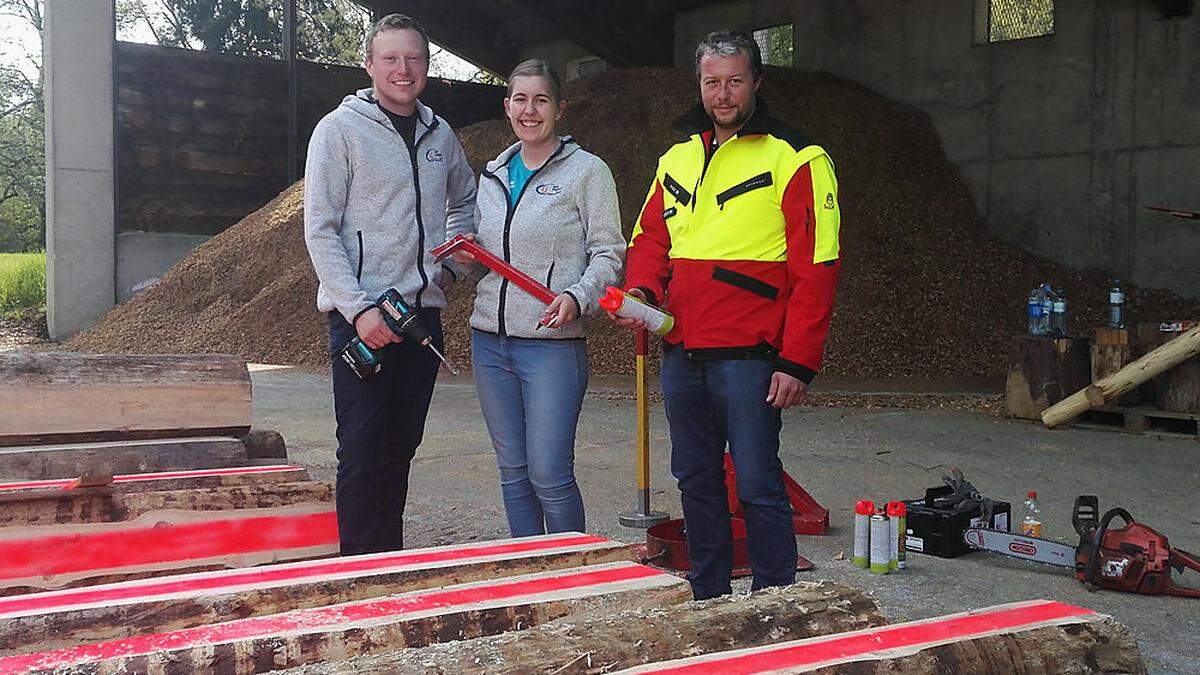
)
(1143, 420)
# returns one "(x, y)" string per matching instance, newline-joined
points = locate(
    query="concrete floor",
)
(839, 455)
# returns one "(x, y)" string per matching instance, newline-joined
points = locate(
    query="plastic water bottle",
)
(1047, 309)
(1058, 316)
(1031, 523)
(1035, 311)
(1116, 305)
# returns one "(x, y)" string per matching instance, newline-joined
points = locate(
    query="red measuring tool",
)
(498, 265)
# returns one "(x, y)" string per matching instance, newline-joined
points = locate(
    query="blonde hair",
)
(537, 68)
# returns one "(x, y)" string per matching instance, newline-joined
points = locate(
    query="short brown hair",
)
(395, 22)
(537, 68)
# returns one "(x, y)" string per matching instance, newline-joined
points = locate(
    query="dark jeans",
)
(711, 404)
(380, 423)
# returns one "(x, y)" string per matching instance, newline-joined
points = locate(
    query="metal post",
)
(289, 56)
(643, 517)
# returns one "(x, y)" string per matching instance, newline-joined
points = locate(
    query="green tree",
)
(328, 31)
(22, 148)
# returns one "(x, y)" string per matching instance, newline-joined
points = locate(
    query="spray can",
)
(880, 544)
(623, 304)
(862, 533)
(898, 513)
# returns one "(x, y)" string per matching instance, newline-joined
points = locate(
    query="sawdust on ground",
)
(925, 290)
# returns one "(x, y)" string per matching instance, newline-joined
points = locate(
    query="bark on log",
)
(178, 480)
(58, 397)
(1129, 377)
(84, 621)
(103, 505)
(1043, 371)
(604, 643)
(265, 444)
(72, 460)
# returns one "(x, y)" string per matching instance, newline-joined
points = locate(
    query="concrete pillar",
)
(80, 213)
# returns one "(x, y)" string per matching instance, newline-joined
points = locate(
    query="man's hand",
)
(786, 391)
(372, 329)
(560, 312)
(624, 322)
(462, 257)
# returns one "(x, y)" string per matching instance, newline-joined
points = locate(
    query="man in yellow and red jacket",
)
(738, 239)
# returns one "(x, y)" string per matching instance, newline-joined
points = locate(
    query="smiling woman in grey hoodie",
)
(549, 208)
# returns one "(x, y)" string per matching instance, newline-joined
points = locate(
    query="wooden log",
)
(1132, 375)
(265, 444)
(178, 480)
(70, 460)
(53, 397)
(1178, 389)
(291, 639)
(1111, 350)
(1038, 636)
(72, 617)
(607, 642)
(53, 556)
(1043, 371)
(103, 505)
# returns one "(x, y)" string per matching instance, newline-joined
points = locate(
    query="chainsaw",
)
(1133, 558)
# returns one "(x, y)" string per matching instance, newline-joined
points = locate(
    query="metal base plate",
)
(642, 520)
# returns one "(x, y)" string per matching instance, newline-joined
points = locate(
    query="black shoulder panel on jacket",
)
(793, 137)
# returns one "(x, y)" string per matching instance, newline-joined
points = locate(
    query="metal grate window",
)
(775, 43)
(1016, 20)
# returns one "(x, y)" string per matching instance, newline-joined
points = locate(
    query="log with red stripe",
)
(75, 616)
(173, 480)
(420, 618)
(982, 641)
(54, 556)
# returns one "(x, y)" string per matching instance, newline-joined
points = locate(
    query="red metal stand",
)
(808, 517)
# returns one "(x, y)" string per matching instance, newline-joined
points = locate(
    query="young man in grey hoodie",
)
(385, 181)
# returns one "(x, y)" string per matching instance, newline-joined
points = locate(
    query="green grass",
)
(22, 281)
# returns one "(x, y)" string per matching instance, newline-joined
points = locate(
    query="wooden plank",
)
(72, 617)
(70, 460)
(54, 556)
(260, 644)
(52, 394)
(177, 480)
(611, 641)
(1035, 636)
(102, 505)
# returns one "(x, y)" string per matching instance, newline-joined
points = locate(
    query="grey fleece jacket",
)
(565, 231)
(373, 207)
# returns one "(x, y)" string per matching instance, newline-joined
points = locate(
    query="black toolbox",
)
(938, 531)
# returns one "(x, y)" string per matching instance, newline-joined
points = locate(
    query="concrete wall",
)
(77, 62)
(1062, 139)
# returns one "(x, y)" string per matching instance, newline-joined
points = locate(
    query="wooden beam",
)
(70, 460)
(56, 396)
(611, 641)
(102, 505)
(72, 617)
(1035, 636)
(54, 556)
(1099, 393)
(290, 639)
(176, 480)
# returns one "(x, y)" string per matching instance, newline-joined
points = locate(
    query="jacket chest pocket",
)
(758, 182)
(674, 188)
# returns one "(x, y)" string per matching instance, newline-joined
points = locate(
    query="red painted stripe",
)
(207, 583)
(313, 620)
(65, 554)
(861, 643)
(162, 475)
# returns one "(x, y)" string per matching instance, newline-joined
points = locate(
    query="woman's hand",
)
(626, 322)
(560, 312)
(462, 257)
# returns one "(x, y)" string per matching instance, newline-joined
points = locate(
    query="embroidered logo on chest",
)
(548, 189)
(433, 155)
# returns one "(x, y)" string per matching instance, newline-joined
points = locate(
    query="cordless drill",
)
(404, 322)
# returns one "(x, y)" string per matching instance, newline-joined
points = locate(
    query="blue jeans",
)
(531, 392)
(711, 404)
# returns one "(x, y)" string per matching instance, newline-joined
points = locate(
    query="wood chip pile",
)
(926, 291)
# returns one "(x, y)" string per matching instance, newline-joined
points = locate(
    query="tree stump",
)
(1112, 350)
(1043, 371)
(1178, 389)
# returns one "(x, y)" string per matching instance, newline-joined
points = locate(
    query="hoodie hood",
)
(364, 103)
(567, 147)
